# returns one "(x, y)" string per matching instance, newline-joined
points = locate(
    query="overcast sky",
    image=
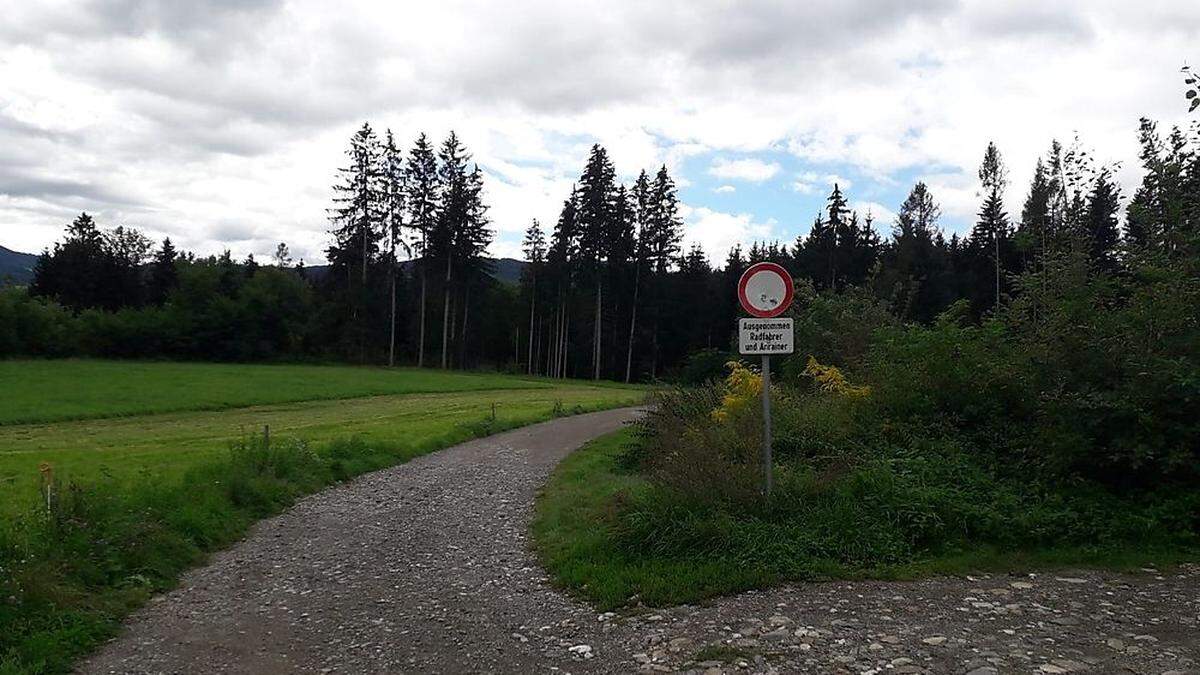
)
(220, 124)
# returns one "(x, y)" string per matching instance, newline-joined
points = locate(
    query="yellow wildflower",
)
(742, 387)
(830, 380)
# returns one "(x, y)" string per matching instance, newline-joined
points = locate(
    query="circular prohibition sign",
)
(765, 290)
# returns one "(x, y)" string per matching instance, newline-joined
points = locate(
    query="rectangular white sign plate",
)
(765, 336)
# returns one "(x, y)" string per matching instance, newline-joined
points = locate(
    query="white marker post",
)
(765, 291)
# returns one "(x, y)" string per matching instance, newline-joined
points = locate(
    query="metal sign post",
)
(765, 291)
(768, 474)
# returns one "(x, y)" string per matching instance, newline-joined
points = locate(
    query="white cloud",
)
(222, 123)
(716, 231)
(724, 189)
(882, 217)
(752, 170)
(810, 182)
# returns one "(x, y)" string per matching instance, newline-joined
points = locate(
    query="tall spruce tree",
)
(663, 233)
(561, 258)
(1033, 233)
(918, 256)
(469, 247)
(423, 192)
(1101, 220)
(358, 220)
(74, 272)
(392, 179)
(990, 234)
(1163, 210)
(163, 276)
(596, 218)
(453, 217)
(840, 232)
(641, 198)
(534, 248)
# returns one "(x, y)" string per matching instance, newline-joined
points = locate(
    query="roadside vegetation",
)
(99, 514)
(1060, 430)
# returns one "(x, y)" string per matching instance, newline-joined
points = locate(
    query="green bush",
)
(1069, 420)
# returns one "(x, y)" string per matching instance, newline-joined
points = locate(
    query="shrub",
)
(1069, 419)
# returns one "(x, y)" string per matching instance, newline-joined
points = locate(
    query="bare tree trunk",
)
(551, 342)
(596, 331)
(566, 343)
(446, 318)
(637, 273)
(654, 331)
(453, 331)
(532, 305)
(462, 341)
(654, 345)
(392, 336)
(538, 351)
(362, 296)
(997, 268)
(421, 339)
(558, 340)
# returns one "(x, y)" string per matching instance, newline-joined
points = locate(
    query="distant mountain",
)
(504, 270)
(508, 270)
(16, 267)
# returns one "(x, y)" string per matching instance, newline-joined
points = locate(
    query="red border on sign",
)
(787, 285)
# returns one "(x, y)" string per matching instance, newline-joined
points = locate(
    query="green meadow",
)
(55, 390)
(118, 476)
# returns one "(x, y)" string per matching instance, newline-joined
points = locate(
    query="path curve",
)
(425, 567)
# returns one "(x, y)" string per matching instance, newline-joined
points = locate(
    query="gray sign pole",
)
(766, 402)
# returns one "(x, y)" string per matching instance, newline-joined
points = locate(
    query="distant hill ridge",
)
(17, 267)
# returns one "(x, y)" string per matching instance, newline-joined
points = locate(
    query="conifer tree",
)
(561, 259)
(918, 255)
(423, 192)
(1101, 220)
(392, 179)
(358, 218)
(640, 197)
(534, 247)
(1035, 217)
(455, 203)
(1163, 209)
(74, 271)
(841, 233)
(163, 275)
(470, 243)
(991, 230)
(663, 234)
(596, 217)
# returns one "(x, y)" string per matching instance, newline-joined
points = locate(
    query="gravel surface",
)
(425, 567)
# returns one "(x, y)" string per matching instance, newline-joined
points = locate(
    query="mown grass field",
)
(137, 421)
(155, 464)
(71, 389)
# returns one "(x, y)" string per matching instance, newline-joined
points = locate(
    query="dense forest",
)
(607, 291)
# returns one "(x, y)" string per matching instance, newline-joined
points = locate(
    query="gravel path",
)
(425, 568)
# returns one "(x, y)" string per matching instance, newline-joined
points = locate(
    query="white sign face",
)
(765, 336)
(765, 290)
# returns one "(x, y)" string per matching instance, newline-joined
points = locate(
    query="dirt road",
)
(425, 568)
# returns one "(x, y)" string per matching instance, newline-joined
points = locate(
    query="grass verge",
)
(93, 550)
(581, 512)
(574, 536)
